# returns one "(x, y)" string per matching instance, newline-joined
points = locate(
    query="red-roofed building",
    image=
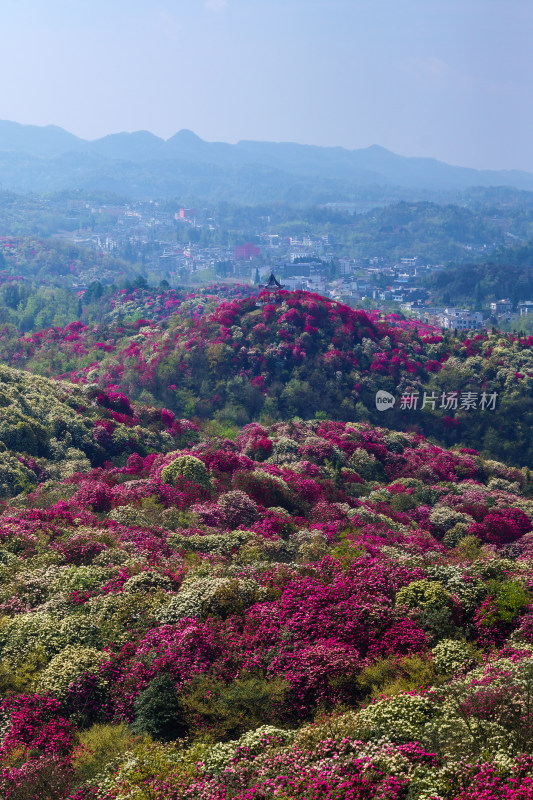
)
(244, 252)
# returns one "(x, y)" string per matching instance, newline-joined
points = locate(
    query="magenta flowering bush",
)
(502, 526)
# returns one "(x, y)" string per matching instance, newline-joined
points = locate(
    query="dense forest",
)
(508, 274)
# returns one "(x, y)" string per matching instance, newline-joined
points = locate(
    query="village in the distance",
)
(388, 257)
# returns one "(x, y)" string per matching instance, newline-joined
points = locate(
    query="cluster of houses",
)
(500, 311)
(354, 280)
(503, 310)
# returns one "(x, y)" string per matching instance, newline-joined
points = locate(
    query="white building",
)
(526, 307)
(458, 318)
(296, 282)
(501, 306)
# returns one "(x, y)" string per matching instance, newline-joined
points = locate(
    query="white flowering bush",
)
(403, 717)
(66, 666)
(444, 518)
(487, 711)
(311, 545)
(502, 485)
(450, 655)
(469, 590)
(212, 595)
(116, 616)
(74, 461)
(423, 594)
(366, 465)
(130, 515)
(284, 451)
(44, 632)
(221, 754)
(396, 442)
(148, 581)
(215, 543)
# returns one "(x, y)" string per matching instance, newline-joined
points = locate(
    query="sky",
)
(450, 79)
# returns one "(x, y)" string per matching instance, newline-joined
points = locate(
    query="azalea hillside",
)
(235, 362)
(310, 610)
(227, 573)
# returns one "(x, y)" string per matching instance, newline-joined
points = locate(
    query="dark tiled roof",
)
(272, 283)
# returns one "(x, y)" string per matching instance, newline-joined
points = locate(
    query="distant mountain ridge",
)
(34, 158)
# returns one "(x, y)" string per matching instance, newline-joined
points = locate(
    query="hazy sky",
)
(451, 79)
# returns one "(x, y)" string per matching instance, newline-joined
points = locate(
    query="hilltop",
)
(278, 594)
(310, 357)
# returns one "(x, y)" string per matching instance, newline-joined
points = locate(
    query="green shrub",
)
(509, 598)
(100, 745)
(454, 535)
(402, 502)
(14, 476)
(25, 677)
(391, 676)
(158, 711)
(188, 467)
(228, 710)
(437, 623)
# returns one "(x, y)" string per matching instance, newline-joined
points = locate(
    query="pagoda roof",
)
(272, 283)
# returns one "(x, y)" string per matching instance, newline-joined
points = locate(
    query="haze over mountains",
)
(140, 164)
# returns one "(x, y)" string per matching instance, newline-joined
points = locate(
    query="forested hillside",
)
(509, 274)
(308, 357)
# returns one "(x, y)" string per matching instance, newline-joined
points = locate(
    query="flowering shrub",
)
(237, 509)
(196, 355)
(222, 596)
(188, 467)
(423, 594)
(403, 718)
(450, 655)
(66, 667)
